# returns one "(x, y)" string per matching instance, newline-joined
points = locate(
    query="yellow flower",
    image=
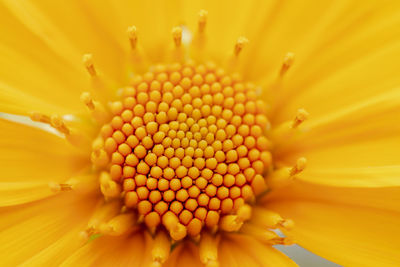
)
(159, 150)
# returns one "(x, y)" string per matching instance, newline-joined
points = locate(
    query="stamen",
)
(108, 187)
(287, 130)
(230, 223)
(286, 175)
(39, 117)
(176, 230)
(54, 121)
(58, 187)
(264, 235)
(87, 99)
(287, 63)
(285, 241)
(202, 21)
(86, 234)
(240, 44)
(104, 212)
(119, 225)
(103, 86)
(88, 63)
(286, 224)
(58, 123)
(79, 184)
(299, 167)
(99, 158)
(244, 213)
(96, 108)
(269, 219)
(233, 59)
(199, 39)
(258, 184)
(161, 248)
(177, 36)
(138, 56)
(208, 250)
(233, 223)
(301, 116)
(132, 34)
(194, 229)
(152, 220)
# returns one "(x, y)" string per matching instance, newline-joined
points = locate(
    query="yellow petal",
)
(371, 72)
(375, 115)
(384, 176)
(154, 23)
(31, 154)
(71, 35)
(185, 254)
(31, 158)
(110, 251)
(54, 73)
(251, 252)
(22, 192)
(16, 101)
(360, 164)
(386, 198)
(238, 256)
(29, 229)
(331, 58)
(32, 74)
(57, 251)
(229, 259)
(275, 37)
(354, 146)
(226, 22)
(352, 227)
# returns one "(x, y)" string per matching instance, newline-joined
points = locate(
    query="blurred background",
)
(304, 258)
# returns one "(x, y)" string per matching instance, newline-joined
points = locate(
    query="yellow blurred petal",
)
(232, 18)
(229, 259)
(31, 154)
(34, 72)
(240, 257)
(384, 176)
(248, 247)
(364, 78)
(185, 254)
(376, 114)
(75, 35)
(57, 251)
(347, 233)
(386, 198)
(34, 19)
(29, 229)
(16, 101)
(153, 20)
(22, 192)
(31, 158)
(350, 23)
(110, 251)
(331, 56)
(308, 26)
(356, 146)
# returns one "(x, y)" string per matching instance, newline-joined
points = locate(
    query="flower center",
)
(185, 149)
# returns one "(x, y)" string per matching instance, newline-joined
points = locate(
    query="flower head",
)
(182, 142)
